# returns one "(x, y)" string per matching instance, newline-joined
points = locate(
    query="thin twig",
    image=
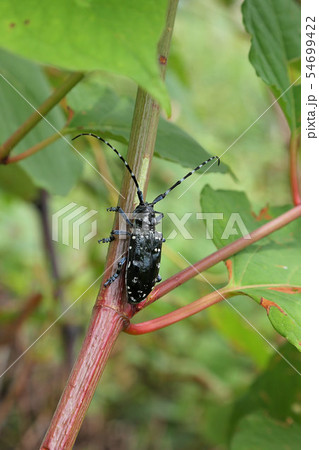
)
(32, 150)
(36, 116)
(40, 145)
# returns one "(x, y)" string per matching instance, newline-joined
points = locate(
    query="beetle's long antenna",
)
(139, 192)
(161, 196)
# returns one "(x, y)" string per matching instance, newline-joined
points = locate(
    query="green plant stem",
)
(200, 266)
(294, 172)
(42, 110)
(111, 314)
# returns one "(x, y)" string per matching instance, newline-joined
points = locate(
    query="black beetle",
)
(145, 245)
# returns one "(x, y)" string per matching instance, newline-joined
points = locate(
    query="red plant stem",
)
(179, 314)
(84, 378)
(220, 255)
(294, 179)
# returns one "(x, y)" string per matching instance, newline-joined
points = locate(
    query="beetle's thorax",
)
(144, 217)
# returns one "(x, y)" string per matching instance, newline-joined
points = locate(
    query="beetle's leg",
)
(159, 217)
(120, 210)
(117, 273)
(158, 279)
(114, 233)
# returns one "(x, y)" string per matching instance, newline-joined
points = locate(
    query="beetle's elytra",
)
(145, 243)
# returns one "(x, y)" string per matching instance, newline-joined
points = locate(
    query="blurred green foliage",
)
(209, 382)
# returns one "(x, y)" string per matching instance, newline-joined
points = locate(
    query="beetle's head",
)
(144, 215)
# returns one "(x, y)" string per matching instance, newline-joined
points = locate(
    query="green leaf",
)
(240, 334)
(267, 271)
(100, 110)
(174, 144)
(260, 432)
(112, 116)
(119, 37)
(55, 168)
(276, 390)
(275, 30)
(283, 309)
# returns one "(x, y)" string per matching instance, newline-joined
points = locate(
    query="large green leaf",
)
(260, 432)
(267, 271)
(55, 168)
(274, 26)
(116, 36)
(112, 115)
